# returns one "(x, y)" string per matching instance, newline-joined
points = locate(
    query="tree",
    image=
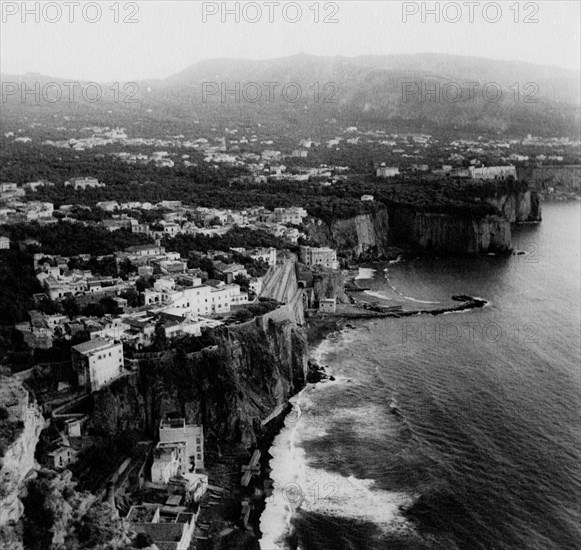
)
(243, 281)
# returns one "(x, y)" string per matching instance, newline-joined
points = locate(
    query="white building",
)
(293, 215)
(328, 305)
(83, 183)
(4, 243)
(62, 456)
(97, 362)
(387, 172)
(145, 250)
(198, 300)
(492, 172)
(166, 463)
(325, 257)
(108, 206)
(267, 255)
(176, 430)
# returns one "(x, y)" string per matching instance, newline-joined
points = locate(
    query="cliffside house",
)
(169, 529)
(167, 459)
(97, 362)
(62, 456)
(172, 431)
(328, 305)
(324, 257)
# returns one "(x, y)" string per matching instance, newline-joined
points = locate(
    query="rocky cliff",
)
(445, 233)
(363, 236)
(518, 207)
(18, 460)
(229, 388)
(369, 236)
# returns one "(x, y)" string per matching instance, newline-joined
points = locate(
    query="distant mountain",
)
(421, 90)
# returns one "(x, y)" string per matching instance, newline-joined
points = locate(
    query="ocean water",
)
(458, 431)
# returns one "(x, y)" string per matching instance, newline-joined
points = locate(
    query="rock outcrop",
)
(369, 236)
(18, 460)
(518, 207)
(445, 233)
(363, 236)
(23, 420)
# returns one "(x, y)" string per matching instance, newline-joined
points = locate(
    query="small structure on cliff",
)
(189, 437)
(168, 528)
(97, 362)
(328, 305)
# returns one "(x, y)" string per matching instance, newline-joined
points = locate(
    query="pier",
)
(252, 469)
(373, 311)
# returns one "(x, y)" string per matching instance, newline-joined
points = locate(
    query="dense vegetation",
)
(17, 285)
(72, 239)
(239, 237)
(220, 188)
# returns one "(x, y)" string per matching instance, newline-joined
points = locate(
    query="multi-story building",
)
(166, 463)
(294, 215)
(176, 431)
(324, 257)
(97, 362)
(146, 250)
(492, 172)
(387, 171)
(84, 183)
(267, 255)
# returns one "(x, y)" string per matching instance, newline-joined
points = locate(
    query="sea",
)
(456, 431)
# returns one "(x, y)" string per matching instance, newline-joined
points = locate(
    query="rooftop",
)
(93, 345)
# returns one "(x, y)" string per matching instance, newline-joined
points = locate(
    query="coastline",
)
(226, 533)
(319, 328)
(231, 531)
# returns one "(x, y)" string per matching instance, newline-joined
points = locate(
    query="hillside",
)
(367, 91)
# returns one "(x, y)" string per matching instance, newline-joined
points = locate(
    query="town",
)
(116, 289)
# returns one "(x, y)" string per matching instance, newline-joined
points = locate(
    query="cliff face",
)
(518, 207)
(18, 460)
(329, 284)
(444, 233)
(230, 389)
(365, 235)
(369, 236)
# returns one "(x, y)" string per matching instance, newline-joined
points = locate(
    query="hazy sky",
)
(167, 36)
